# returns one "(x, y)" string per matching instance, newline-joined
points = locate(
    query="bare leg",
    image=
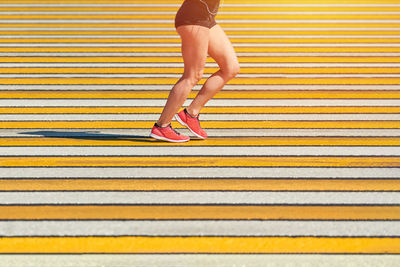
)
(195, 41)
(221, 50)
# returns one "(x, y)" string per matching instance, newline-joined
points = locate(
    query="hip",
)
(193, 12)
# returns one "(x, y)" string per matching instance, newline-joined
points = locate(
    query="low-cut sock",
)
(194, 117)
(156, 124)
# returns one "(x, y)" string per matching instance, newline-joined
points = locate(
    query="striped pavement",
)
(302, 164)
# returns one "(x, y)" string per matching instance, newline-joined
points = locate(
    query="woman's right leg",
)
(194, 52)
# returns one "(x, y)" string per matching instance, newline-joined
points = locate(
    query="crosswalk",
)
(303, 155)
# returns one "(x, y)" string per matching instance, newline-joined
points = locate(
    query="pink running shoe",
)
(192, 123)
(168, 134)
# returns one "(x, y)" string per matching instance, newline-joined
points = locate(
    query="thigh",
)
(195, 41)
(221, 49)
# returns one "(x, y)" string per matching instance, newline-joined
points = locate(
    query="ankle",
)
(162, 125)
(191, 113)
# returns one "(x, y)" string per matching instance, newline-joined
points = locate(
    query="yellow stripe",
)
(291, 59)
(196, 185)
(170, 81)
(67, 49)
(170, 26)
(200, 161)
(177, 40)
(178, 59)
(205, 124)
(171, 31)
(372, 245)
(225, 141)
(220, 16)
(268, 94)
(205, 110)
(146, 70)
(185, 212)
(377, 2)
(223, 8)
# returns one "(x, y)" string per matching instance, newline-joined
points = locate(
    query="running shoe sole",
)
(166, 139)
(184, 124)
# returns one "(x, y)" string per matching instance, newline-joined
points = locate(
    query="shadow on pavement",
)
(90, 135)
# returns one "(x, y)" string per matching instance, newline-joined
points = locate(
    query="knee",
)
(194, 77)
(232, 70)
(235, 69)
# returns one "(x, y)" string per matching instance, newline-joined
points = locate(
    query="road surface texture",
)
(301, 167)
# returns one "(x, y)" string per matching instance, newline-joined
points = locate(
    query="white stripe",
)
(87, 45)
(196, 260)
(169, 54)
(167, 87)
(264, 36)
(167, 75)
(172, 30)
(333, 54)
(267, 198)
(178, 45)
(209, 64)
(203, 117)
(169, 172)
(212, 103)
(200, 151)
(199, 228)
(144, 133)
(170, 21)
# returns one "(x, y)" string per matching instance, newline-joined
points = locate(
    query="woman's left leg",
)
(221, 50)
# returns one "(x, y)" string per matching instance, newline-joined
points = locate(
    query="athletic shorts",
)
(194, 12)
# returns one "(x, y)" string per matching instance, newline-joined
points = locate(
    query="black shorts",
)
(193, 12)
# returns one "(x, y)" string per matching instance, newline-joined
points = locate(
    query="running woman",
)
(200, 35)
